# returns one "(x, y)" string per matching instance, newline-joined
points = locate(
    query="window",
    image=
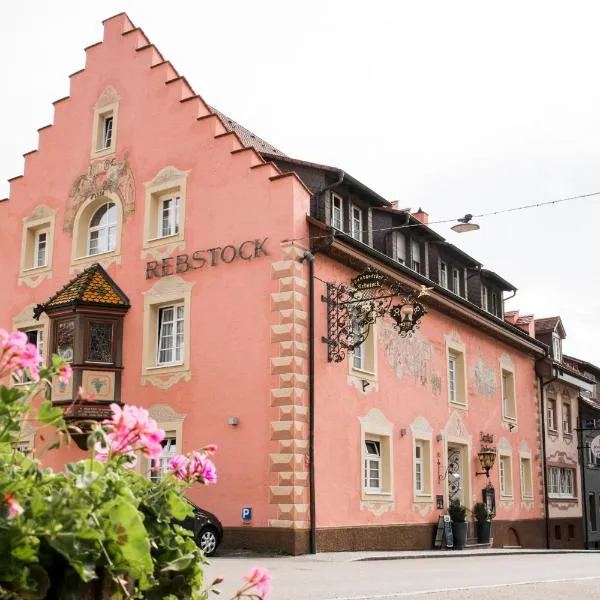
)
(592, 512)
(102, 231)
(169, 450)
(41, 249)
(357, 226)
(169, 216)
(35, 337)
(566, 418)
(456, 281)
(551, 412)
(105, 132)
(422, 470)
(444, 275)
(484, 297)
(100, 342)
(64, 337)
(107, 128)
(170, 335)
(593, 460)
(556, 348)
(337, 212)
(456, 377)
(372, 467)
(400, 243)
(561, 482)
(506, 488)
(509, 405)
(495, 304)
(526, 478)
(415, 251)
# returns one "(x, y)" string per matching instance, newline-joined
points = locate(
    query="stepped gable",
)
(239, 140)
(93, 286)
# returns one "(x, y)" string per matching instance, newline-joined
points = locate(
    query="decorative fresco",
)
(410, 356)
(484, 376)
(99, 383)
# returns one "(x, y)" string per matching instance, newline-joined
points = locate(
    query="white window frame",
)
(561, 482)
(400, 242)
(40, 345)
(551, 414)
(505, 475)
(356, 225)
(556, 347)
(508, 388)
(372, 459)
(456, 281)
(173, 218)
(526, 478)
(337, 212)
(36, 248)
(453, 376)
(419, 468)
(567, 425)
(593, 461)
(485, 298)
(106, 230)
(444, 274)
(107, 122)
(168, 452)
(415, 256)
(177, 319)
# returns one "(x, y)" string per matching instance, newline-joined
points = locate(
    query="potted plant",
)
(483, 522)
(458, 514)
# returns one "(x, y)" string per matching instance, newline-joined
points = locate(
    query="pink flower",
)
(64, 373)
(16, 354)
(83, 395)
(210, 449)
(131, 429)
(14, 508)
(259, 580)
(194, 467)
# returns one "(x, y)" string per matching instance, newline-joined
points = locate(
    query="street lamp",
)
(487, 458)
(464, 225)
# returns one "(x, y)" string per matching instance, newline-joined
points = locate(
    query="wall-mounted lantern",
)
(352, 309)
(487, 458)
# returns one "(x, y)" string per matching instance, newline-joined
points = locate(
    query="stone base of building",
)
(566, 533)
(530, 533)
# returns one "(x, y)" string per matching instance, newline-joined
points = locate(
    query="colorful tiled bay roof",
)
(93, 286)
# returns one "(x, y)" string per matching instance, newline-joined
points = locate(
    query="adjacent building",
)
(350, 363)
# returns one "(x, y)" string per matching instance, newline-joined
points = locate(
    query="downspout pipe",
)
(543, 385)
(582, 458)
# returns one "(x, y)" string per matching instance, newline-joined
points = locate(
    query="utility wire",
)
(478, 216)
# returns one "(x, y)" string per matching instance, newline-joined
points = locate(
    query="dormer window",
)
(485, 298)
(400, 247)
(495, 304)
(337, 212)
(444, 275)
(556, 348)
(416, 256)
(456, 281)
(357, 223)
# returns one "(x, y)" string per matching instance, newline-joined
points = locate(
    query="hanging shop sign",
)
(352, 309)
(211, 257)
(595, 446)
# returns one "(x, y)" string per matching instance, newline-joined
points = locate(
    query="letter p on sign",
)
(246, 514)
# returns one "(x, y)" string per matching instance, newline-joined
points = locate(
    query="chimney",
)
(395, 204)
(421, 215)
(511, 316)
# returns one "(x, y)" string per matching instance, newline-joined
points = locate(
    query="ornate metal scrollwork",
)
(352, 309)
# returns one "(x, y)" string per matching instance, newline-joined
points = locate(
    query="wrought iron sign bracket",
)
(352, 309)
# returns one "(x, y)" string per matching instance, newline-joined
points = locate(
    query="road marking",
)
(463, 588)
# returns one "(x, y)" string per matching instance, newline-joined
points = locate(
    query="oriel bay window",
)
(86, 330)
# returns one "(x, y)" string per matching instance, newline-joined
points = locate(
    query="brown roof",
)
(249, 139)
(92, 286)
(525, 319)
(547, 325)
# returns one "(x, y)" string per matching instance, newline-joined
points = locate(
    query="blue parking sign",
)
(246, 514)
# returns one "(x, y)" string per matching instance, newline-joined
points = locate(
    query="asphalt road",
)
(342, 577)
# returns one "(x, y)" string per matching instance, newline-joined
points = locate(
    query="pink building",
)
(185, 239)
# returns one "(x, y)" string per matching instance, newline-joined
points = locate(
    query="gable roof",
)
(92, 287)
(549, 325)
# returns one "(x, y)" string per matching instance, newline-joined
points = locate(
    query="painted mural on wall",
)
(410, 356)
(484, 375)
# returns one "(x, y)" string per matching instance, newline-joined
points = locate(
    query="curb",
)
(462, 553)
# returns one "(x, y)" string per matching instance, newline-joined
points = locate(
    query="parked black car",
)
(207, 529)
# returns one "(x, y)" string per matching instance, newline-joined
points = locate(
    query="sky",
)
(455, 106)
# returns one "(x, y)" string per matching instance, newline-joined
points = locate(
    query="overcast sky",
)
(454, 106)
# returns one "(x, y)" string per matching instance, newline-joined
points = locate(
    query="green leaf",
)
(50, 415)
(178, 508)
(181, 563)
(27, 550)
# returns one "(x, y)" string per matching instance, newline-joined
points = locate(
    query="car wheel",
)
(208, 541)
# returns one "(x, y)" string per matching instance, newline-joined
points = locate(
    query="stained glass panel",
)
(65, 332)
(100, 342)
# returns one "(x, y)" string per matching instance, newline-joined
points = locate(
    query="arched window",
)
(102, 231)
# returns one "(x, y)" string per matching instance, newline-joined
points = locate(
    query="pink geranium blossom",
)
(17, 354)
(64, 373)
(194, 467)
(14, 508)
(258, 580)
(131, 429)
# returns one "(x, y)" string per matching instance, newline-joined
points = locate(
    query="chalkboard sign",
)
(443, 534)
